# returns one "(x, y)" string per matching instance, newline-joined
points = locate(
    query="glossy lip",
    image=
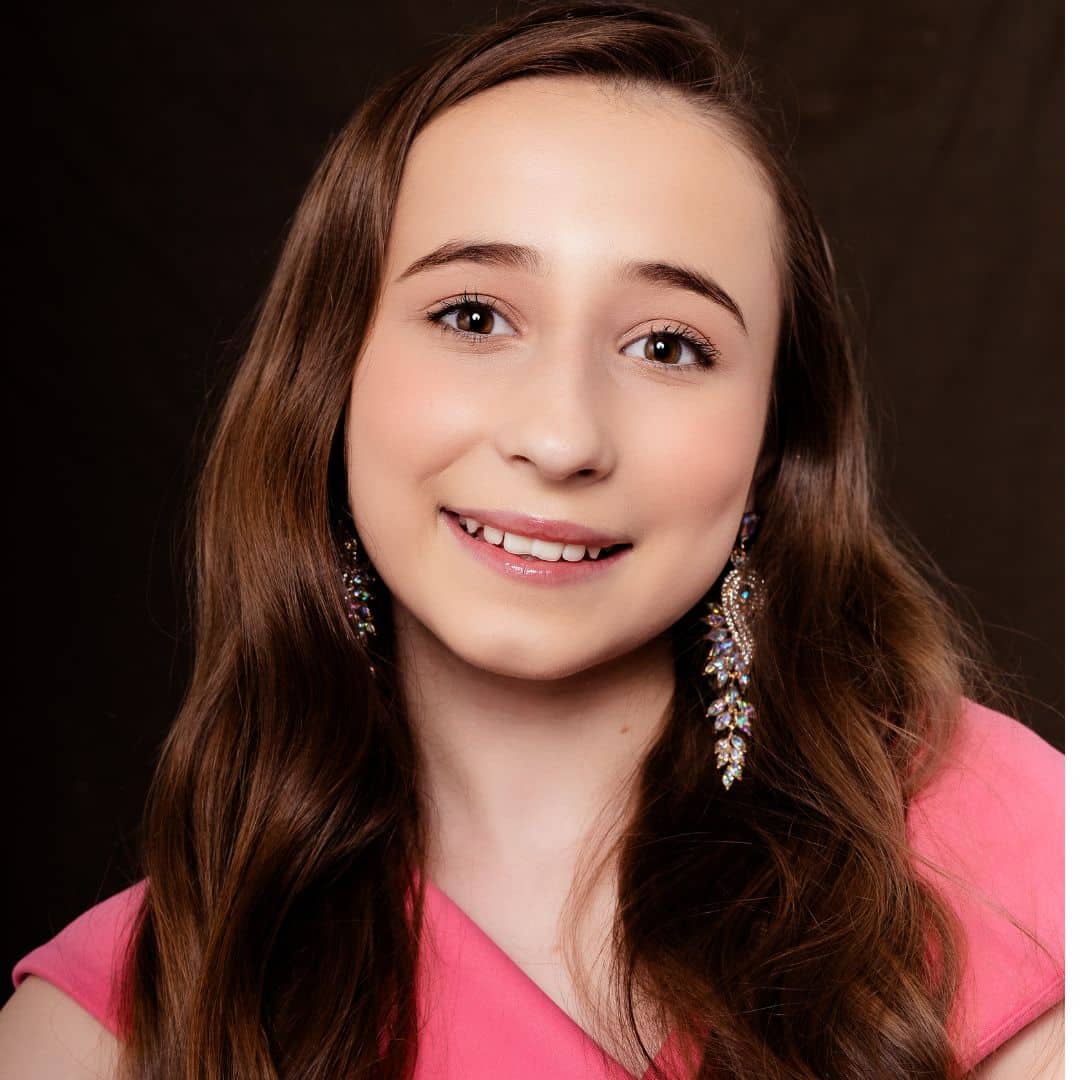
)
(538, 528)
(520, 568)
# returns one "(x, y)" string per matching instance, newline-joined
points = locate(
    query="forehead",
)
(589, 176)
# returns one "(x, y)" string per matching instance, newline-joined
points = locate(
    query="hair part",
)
(781, 925)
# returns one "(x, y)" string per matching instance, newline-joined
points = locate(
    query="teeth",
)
(547, 550)
(517, 545)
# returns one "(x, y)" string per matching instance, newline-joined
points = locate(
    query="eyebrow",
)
(529, 259)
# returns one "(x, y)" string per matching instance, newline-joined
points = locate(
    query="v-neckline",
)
(446, 907)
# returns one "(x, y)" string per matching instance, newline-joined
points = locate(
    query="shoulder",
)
(988, 833)
(85, 958)
(44, 1033)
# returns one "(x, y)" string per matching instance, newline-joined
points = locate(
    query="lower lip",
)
(521, 568)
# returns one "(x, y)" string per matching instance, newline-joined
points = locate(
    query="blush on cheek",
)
(699, 466)
(412, 413)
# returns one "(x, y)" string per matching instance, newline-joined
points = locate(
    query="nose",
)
(556, 415)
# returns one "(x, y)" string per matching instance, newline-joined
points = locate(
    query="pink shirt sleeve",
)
(993, 821)
(85, 957)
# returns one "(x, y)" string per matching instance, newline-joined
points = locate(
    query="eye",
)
(473, 318)
(666, 347)
(669, 345)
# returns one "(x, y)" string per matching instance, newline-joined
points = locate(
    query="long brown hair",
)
(782, 923)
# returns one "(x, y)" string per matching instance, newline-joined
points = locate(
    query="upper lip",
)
(538, 528)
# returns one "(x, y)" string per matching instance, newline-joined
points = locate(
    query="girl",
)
(563, 705)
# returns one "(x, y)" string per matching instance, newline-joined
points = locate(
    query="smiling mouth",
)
(531, 548)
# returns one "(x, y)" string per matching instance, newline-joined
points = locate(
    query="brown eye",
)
(474, 318)
(679, 348)
(663, 348)
(471, 319)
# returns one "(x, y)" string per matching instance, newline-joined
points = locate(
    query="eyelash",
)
(707, 352)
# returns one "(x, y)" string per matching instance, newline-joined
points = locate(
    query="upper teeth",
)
(549, 550)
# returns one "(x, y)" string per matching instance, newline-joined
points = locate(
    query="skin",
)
(534, 703)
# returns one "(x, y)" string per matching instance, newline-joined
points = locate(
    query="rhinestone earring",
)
(358, 579)
(731, 648)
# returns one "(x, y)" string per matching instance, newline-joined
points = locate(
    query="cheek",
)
(408, 419)
(696, 462)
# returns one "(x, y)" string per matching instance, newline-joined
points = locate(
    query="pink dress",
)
(994, 819)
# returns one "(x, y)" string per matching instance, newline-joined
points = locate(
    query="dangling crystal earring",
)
(731, 649)
(359, 581)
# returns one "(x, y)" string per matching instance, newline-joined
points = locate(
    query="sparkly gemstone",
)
(726, 645)
(733, 695)
(716, 708)
(744, 679)
(728, 777)
(720, 633)
(750, 713)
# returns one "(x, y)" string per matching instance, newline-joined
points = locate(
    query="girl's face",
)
(550, 244)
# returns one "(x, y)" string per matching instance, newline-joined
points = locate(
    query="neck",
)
(516, 772)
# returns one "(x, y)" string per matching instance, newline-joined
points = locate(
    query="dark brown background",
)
(168, 145)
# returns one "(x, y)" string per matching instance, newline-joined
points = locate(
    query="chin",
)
(517, 657)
